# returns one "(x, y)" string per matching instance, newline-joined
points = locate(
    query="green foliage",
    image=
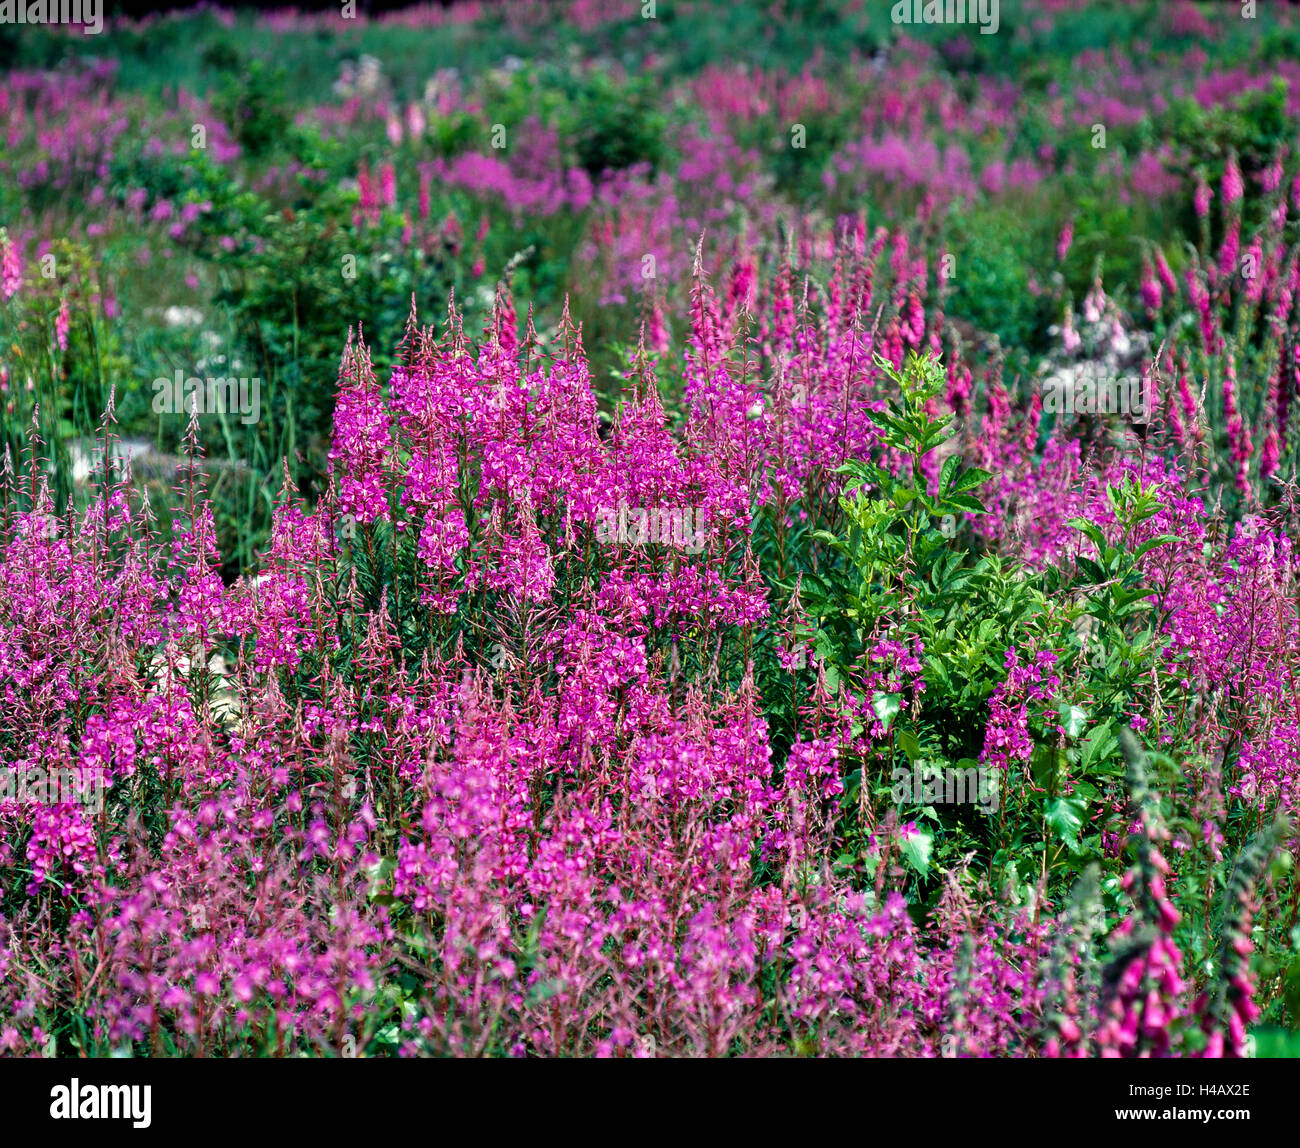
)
(620, 125)
(991, 285)
(609, 123)
(797, 171)
(254, 105)
(1118, 595)
(68, 385)
(899, 571)
(1255, 126)
(289, 288)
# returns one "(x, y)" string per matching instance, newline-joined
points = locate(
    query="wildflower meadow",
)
(592, 528)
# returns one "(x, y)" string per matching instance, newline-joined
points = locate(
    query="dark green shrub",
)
(254, 105)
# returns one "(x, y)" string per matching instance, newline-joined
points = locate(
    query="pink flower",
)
(11, 268)
(1064, 241)
(1232, 183)
(62, 323)
(1201, 197)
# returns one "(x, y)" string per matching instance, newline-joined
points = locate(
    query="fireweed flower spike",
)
(11, 267)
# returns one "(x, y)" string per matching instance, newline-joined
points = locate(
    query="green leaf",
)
(1089, 793)
(886, 707)
(1073, 718)
(907, 742)
(884, 421)
(824, 646)
(916, 851)
(967, 502)
(1099, 745)
(1152, 543)
(970, 479)
(1091, 529)
(1094, 573)
(1065, 815)
(950, 468)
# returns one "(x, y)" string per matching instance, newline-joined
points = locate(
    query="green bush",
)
(619, 126)
(995, 259)
(898, 571)
(255, 106)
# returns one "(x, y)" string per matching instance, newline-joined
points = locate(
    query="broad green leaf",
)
(967, 502)
(1093, 572)
(1099, 745)
(832, 678)
(907, 742)
(1073, 718)
(916, 851)
(970, 479)
(886, 707)
(1065, 815)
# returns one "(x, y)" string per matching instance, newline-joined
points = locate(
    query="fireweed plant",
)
(456, 772)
